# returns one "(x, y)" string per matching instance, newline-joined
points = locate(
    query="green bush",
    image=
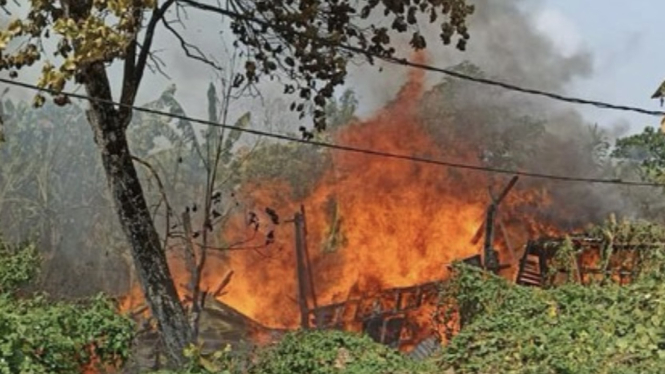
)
(41, 336)
(311, 352)
(19, 265)
(323, 352)
(568, 329)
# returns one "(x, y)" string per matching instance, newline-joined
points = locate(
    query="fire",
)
(401, 222)
(396, 223)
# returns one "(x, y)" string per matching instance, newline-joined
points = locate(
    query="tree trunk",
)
(148, 256)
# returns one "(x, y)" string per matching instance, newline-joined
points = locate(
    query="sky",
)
(625, 39)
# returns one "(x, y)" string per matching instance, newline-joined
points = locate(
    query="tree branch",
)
(162, 192)
(188, 47)
(133, 74)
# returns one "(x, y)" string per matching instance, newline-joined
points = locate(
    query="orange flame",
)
(401, 222)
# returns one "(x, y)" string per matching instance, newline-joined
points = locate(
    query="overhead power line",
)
(449, 72)
(341, 147)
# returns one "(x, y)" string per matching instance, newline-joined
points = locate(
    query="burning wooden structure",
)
(387, 316)
(588, 258)
(384, 316)
(220, 325)
(394, 316)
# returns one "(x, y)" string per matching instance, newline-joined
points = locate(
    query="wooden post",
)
(300, 270)
(190, 254)
(490, 256)
(308, 263)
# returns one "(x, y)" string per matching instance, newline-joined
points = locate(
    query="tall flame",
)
(400, 222)
(396, 223)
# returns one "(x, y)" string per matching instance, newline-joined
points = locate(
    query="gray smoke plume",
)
(552, 137)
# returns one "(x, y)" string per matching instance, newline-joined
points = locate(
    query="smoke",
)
(508, 45)
(504, 43)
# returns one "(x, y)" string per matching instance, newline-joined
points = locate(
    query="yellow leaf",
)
(69, 65)
(4, 40)
(15, 27)
(38, 101)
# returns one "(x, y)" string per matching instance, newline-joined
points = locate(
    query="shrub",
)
(324, 352)
(568, 329)
(41, 336)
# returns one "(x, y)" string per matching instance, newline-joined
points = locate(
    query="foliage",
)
(103, 31)
(642, 156)
(18, 265)
(186, 152)
(642, 243)
(43, 337)
(498, 133)
(87, 32)
(40, 336)
(36, 183)
(342, 111)
(315, 352)
(568, 329)
(565, 258)
(52, 181)
(645, 151)
(300, 165)
(502, 131)
(52, 188)
(220, 362)
(320, 352)
(646, 239)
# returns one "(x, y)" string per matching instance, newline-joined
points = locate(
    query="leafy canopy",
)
(298, 42)
(87, 31)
